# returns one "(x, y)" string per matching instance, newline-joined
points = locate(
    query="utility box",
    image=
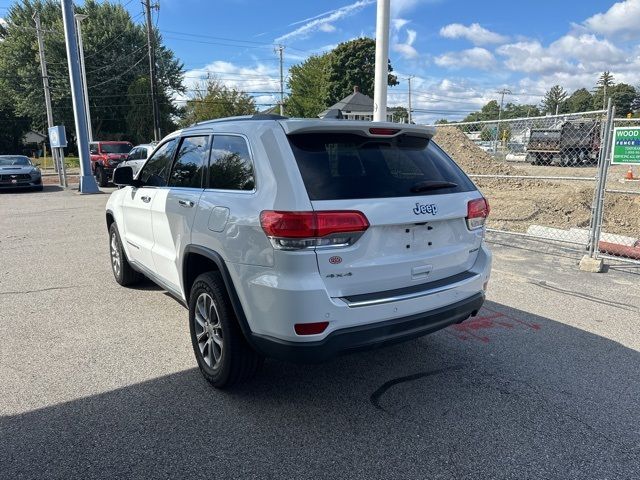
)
(57, 137)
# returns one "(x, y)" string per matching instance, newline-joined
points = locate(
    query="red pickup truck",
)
(105, 157)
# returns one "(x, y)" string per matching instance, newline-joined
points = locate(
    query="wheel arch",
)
(198, 260)
(110, 218)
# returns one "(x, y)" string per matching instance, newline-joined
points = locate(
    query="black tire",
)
(124, 274)
(101, 177)
(237, 361)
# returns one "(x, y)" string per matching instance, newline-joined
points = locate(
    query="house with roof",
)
(356, 106)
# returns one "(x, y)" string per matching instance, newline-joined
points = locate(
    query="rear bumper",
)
(368, 336)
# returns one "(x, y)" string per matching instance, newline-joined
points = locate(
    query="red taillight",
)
(383, 131)
(310, 328)
(311, 224)
(298, 230)
(477, 213)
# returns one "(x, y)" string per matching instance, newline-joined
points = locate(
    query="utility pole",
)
(47, 98)
(87, 180)
(280, 50)
(79, 18)
(503, 92)
(152, 70)
(409, 80)
(382, 60)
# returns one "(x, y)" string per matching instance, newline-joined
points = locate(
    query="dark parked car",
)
(17, 171)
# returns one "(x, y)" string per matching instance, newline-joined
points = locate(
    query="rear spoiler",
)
(363, 128)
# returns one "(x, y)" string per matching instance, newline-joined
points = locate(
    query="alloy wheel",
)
(115, 254)
(208, 330)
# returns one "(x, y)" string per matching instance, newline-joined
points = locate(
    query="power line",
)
(118, 77)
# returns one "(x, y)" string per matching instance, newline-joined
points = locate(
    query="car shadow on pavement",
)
(145, 285)
(508, 394)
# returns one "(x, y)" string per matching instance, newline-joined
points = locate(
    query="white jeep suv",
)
(301, 239)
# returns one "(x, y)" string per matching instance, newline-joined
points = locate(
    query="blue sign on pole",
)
(57, 137)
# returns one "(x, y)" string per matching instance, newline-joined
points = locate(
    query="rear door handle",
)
(185, 203)
(145, 199)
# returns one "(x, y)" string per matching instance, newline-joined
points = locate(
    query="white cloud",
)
(327, 28)
(531, 57)
(587, 48)
(577, 53)
(320, 22)
(479, 58)
(622, 18)
(475, 33)
(398, 23)
(257, 79)
(407, 50)
(435, 98)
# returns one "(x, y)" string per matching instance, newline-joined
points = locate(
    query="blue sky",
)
(460, 52)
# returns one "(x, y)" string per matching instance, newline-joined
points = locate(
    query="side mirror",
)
(123, 176)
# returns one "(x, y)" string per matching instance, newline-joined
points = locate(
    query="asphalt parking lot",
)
(99, 381)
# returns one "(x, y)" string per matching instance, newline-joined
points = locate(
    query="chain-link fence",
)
(550, 178)
(618, 230)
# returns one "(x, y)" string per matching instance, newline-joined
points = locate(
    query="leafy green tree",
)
(580, 101)
(442, 121)
(115, 56)
(353, 63)
(308, 83)
(555, 100)
(139, 127)
(513, 110)
(605, 80)
(212, 100)
(623, 96)
(399, 114)
(602, 89)
(12, 129)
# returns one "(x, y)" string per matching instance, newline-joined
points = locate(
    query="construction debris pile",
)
(516, 204)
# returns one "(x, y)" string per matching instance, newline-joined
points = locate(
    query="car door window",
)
(93, 149)
(230, 166)
(189, 163)
(156, 170)
(133, 154)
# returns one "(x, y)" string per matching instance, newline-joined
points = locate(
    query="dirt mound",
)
(518, 203)
(471, 158)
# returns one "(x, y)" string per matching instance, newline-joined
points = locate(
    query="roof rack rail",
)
(256, 116)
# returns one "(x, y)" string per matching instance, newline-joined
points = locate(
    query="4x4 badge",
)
(339, 275)
(421, 209)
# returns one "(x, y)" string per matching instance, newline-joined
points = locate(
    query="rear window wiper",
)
(432, 185)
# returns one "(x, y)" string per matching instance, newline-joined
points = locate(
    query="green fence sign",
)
(626, 146)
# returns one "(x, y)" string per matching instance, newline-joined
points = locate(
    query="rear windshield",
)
(116, 147)
(347, 166)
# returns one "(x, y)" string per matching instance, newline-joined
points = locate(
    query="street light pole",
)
(87, 181)
(382, 60)
(79, 18)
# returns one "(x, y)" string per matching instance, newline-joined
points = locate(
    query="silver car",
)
(137, 156)
(17, 171)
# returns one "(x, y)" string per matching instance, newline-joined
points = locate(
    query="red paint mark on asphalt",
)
(478, 327)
